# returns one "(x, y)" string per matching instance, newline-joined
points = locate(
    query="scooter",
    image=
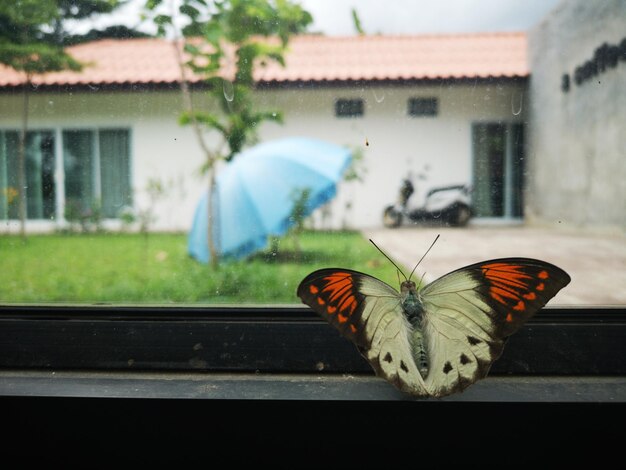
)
(450, 205)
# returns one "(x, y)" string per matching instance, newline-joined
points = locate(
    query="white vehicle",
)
(450, 205)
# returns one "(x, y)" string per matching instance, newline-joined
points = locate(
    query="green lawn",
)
(125, 268)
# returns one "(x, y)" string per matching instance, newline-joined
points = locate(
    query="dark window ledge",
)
(264, 386)
(279, 386)
(288, 340)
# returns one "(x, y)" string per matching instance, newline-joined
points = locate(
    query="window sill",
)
(332, 387)
(280, 386)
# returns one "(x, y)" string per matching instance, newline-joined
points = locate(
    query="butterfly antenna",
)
(424, 256)
(422, 280)
(385, 255)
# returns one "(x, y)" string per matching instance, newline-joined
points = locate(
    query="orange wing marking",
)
(507, 280)
(339, 288)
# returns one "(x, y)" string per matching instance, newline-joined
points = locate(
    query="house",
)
(441, 109)
(436, 106)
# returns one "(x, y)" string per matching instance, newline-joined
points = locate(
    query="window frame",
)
(45, 131)
(423, 107)
(65, 390)
(58, 134)
(253, 342)
(95, 133)
(349, 108)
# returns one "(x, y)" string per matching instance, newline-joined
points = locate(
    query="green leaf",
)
(210, 120)
(161, 20)
(152, 4)
(256, 31)
(190, 11)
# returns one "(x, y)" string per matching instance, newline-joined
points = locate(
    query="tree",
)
(247, 32)
(356, 21)
(114, 32)
(31, 42)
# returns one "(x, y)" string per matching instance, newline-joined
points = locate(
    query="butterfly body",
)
(442, 338)
(410, 302)
(413, 310)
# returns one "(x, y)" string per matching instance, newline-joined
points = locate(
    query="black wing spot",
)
(464, 359)
(388, 357)
(404, 367)
(473, 341)
(447, 367)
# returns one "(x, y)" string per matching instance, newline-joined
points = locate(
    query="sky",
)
(334, 17)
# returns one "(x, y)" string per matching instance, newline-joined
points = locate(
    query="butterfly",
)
(440, 339)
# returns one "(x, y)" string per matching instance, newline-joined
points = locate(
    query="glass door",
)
(498, 170)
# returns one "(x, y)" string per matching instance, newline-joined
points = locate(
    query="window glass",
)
(423, 106)
(39, 171)
(114, 153)
(501, 132)
(498, 170)
(97, 176)
(80, 171)
(349, 107)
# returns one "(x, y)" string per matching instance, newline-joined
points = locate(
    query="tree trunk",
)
(21, 161)
(213, 251)
(210, 156)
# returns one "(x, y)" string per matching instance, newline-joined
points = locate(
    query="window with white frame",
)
(96, 165)
(96, 173)
(39, 170)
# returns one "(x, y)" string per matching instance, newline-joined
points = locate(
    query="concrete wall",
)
(398, 143)
(577, 139)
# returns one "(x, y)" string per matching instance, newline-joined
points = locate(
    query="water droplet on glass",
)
(229, 90)
(516, 110)
(379, 98)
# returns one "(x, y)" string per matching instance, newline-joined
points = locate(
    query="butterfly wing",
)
(469, 313)
(369, 313)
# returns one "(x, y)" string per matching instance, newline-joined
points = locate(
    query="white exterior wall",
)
(398, 143)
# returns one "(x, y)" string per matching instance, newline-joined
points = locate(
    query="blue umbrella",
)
(254, 194)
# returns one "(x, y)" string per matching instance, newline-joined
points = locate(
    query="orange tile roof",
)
(310, 58)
